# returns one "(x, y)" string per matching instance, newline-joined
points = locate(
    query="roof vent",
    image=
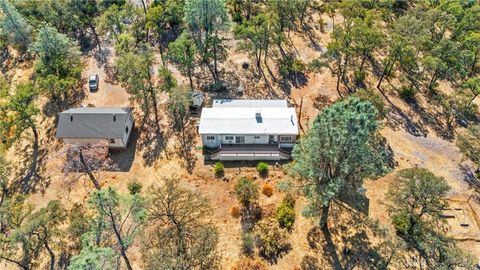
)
(114, 118)
(71, 117)
(258, 116)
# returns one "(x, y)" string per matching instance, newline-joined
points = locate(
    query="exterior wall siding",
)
(220, 139)
(211, 143)
(83, 141)
(118, 142)
(126, 136)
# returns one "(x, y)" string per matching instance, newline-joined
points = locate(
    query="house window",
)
(111, 140)
(239, 139)
(126, 130)
(256, 137)
(285, 138)
(210, 138)
(229, 138)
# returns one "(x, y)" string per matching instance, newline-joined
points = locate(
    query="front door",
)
(272, 139)
(239, 139)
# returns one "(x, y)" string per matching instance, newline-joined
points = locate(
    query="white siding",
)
(82, 141)
(287, 143)
(249, 139)
(117, 144)
(211, 143)
(260, 139)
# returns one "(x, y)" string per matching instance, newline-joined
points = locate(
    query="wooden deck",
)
(250, 152)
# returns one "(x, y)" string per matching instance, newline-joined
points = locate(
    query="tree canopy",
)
(340, 150)
(416, 201)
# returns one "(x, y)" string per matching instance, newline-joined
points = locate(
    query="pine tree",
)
(12, 25)
(341, 149)
(17, 116)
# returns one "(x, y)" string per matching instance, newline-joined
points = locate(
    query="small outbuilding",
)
(92, 125)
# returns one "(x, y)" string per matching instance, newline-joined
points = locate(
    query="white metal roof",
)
(250, 103)
(274, 120)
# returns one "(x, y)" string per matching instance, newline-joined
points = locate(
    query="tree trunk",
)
(215, 65)
(49, 250)
(19, 264)
(33, 165)
(339, 75)
(212, 71)
(160, 46)
(155, 109)
(386, 72)
(474, 64)
(144, 6)
(471, 100)
(324, 216)
(189, 73)
(97, 39)
(88, 170)
(120, 241)
(145, 104)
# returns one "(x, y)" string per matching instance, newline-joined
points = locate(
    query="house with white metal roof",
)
(92, 125)
(248, 129)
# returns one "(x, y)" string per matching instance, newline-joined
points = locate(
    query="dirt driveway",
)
(107, 95)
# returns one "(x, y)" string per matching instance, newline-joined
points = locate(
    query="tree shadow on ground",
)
(470, 177)
(249, 217)
(356, 200)
(123, 159)
(396, 117)
(433, 120)
(286, 83)
(187, 149)
(28, 181)
(73, 99)
(151, 143)
(320, 239)
(345, 242)
(102, 56)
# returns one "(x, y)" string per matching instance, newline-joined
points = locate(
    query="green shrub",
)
(289, 199)
(219, 169)
(290, 65)
(134, 187)
(247, 191)
(359, 76)
(372, 97)
(407, 93)
(248, 243)
(262, 168)
(401, 224)
(271, 239)
(286, 213)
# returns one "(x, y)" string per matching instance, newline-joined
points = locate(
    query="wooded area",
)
(386, 92)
